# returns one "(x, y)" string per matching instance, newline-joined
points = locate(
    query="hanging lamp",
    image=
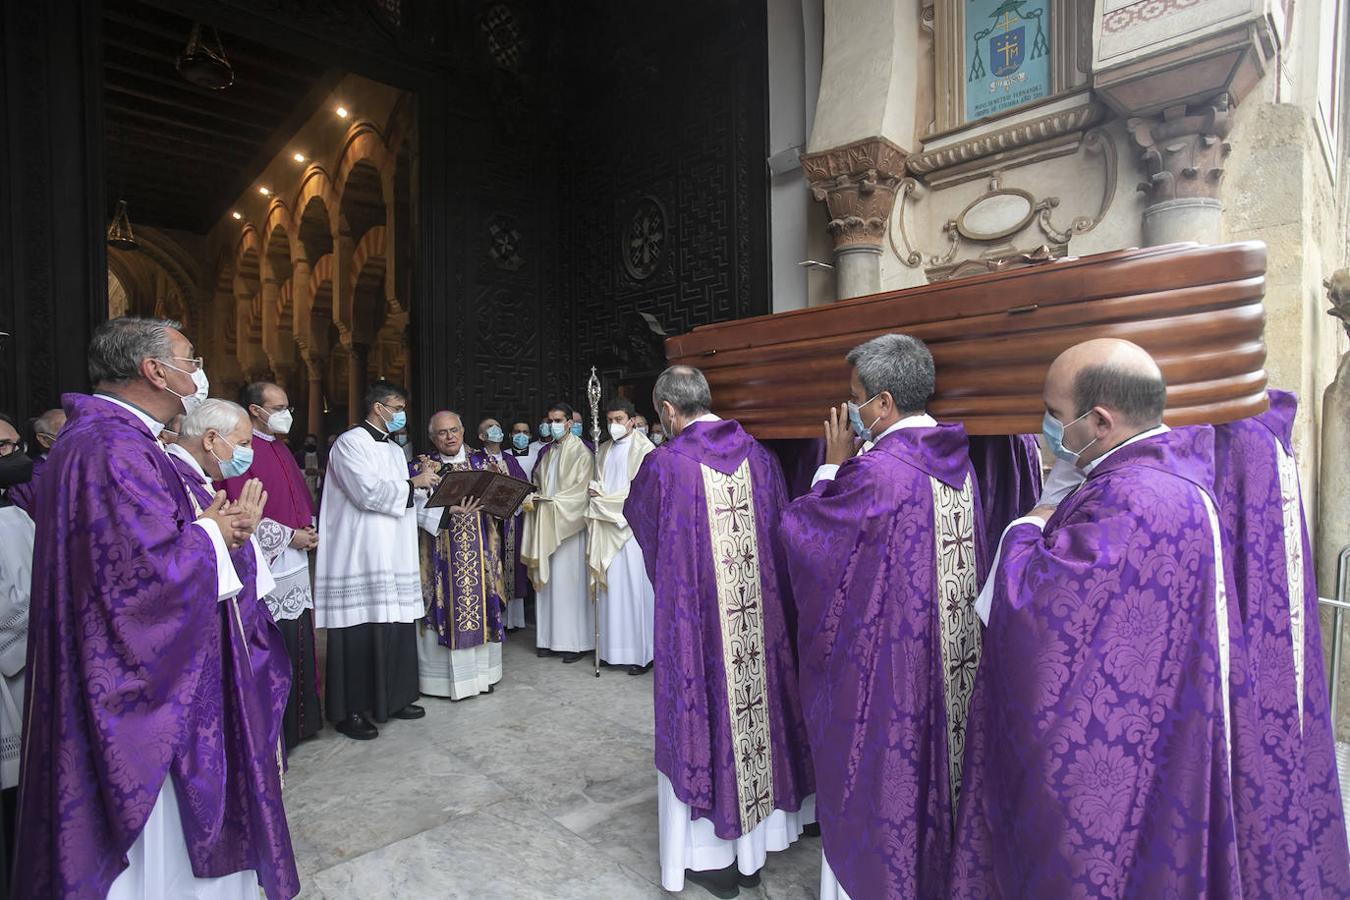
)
(203, 61)
(119, 230)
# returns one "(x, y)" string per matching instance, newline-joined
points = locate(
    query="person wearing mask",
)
(884, 556)
(624, 594)
(732, 785)
(16, 566)
(310, 461)
(44, 429)
(515, 578)
(580, 430)
(522, 449)
(113, 761)
(460, 650)
(1104, 725)
(368, 590)
(401, 439)
(554, 544)
(287, 537)
(641, 427)
(657, 435)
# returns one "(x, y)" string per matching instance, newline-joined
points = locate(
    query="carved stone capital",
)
(1338, 292)
(1183, 150)
(857, 182)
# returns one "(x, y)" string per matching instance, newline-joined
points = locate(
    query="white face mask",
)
(642, 430)
(558, 429)
(197, 397)
(280, 422)
(617, 432)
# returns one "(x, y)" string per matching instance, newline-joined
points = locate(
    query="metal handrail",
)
(1340, 604)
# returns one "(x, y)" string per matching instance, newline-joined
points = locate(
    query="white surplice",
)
(627, 603)
(367, 567)
(441, 671)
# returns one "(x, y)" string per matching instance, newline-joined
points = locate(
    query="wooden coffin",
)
(1197, 309)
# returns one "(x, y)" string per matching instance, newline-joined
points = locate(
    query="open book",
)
(500, 494)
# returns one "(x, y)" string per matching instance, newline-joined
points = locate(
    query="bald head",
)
(1113, 387)
(446, 430)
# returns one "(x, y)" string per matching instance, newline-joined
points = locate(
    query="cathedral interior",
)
(479, 200)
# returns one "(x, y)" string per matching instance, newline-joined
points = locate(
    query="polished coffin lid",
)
(1196, 308)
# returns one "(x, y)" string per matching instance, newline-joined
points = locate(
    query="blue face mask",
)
(544, 431)
(864, 432)
(557, 429)
(240, 459)
(576, 428)
(396, 422)
(494, 435)
(520, 440)
(1053, 432)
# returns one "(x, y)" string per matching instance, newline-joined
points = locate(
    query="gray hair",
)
(444, 412)
(119, 345)
(684, 388)
(220, 416)
(46, 423)
(898, 364)
(1139, 397)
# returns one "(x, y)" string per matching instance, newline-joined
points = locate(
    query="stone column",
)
(1183, 150)
(314, 369)
(857, 182)
(358, 359)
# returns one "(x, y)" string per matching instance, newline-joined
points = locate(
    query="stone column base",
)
(1183, 219)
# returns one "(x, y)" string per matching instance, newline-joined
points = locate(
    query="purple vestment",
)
(1008, 469)
(462, 573)
(885, 561)
(1097, 757)
(24, 496)
(1297, 819)
(710, 744)
(126, 654)
(517, 575)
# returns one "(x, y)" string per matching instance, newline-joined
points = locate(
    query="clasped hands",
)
(237, 518)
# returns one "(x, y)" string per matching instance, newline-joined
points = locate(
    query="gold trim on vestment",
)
(735, 554)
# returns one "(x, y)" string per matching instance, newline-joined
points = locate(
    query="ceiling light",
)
(342, 112)
(299, 157)
(266, 192)
(236, 216)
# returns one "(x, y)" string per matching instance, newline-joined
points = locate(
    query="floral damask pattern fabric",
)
(667, 508)
(461, 577)
(1293, 826)
(735, 552)
(1097, 763)
(884, 561)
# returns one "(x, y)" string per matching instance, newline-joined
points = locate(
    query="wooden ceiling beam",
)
(237, 92)
(195, 100)
(204, 113)
(117, 135)
(173, 124)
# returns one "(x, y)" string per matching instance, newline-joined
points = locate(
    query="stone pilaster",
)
(857, 183)
(1183, 150)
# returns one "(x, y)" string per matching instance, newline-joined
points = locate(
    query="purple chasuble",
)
(885, 561)
(516, 575)
(729, 729)
(1008, 469)
(462, 574)
(125, 642)
(1298, 814)
(242, 782)
(1097, 755)
(24, 496)
(288, 499)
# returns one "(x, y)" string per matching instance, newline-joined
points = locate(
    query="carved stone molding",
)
(857, 182)
(1183, 150)
(1338, 292)
(1011, 137)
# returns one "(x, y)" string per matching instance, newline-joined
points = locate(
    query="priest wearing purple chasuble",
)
(1101, 754)
(515, 577)
(127, 788)
(734, 771)
(459, 650)
(1297, 808)
(885, 554)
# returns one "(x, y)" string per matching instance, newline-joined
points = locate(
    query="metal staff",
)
(593, 395)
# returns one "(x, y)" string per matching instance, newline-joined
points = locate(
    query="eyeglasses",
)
(197, 362)
(445, 432)
(277, 409)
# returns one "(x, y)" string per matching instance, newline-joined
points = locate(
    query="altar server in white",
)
(626, 602)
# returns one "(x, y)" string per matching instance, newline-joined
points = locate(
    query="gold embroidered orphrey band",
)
(735, 553)
(954, 548)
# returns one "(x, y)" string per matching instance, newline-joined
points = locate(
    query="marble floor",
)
(546, 788)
